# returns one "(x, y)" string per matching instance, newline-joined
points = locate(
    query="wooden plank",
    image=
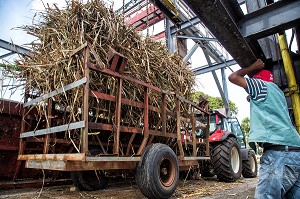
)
(65, 156)
(118, 117)
(56, 92)
(71, 126)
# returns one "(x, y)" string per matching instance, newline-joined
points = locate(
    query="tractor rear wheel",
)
(250, 166)
(157, 175)
(227, 160)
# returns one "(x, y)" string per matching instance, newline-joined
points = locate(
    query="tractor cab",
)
(221, 125)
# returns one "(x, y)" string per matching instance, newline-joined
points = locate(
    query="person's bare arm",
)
(237, 77)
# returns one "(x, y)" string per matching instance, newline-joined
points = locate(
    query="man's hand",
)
(257, 65)
(238, 76)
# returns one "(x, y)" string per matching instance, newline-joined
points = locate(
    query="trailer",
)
(95, 145)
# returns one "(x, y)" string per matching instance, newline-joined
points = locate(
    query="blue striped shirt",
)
(256, 88)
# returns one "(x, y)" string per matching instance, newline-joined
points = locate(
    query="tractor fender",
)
(220, 135)
(246, 153)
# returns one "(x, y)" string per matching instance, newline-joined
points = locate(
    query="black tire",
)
(227, 160)
(159, 172)
(249, 169)
(139, 175)
(89, 180)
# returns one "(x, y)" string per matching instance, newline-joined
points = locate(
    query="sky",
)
(15, 13)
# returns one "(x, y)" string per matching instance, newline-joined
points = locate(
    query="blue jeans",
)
(279, 175)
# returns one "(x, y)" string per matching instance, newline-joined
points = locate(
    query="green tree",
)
(245, 125)
(214, 102)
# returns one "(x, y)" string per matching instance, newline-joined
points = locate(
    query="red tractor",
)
(229, 155)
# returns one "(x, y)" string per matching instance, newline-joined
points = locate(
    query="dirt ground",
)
(209, 188)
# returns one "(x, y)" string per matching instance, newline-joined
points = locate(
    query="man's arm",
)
(237, 77)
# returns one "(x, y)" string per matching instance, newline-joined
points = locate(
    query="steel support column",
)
(170, 42)
(217, 82)
(190, 53)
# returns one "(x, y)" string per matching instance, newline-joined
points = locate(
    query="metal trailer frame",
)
(115, 161)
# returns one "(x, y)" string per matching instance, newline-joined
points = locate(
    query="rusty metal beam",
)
(85, 104)
(178, 131)
(79, 165)
(118, 117)
(146, 121)
(66, 156)
(126, 129)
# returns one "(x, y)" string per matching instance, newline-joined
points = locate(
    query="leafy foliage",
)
(246, 126)
(215, 102)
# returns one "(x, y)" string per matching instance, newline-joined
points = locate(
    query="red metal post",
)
(164, 113)
(49, 115)
(146, 120)
(194, 131)
(85, 112)
(118, 117)
(178, 128)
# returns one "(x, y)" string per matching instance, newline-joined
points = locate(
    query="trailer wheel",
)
(160, 172)
(227, 160)
(139, 175)
(249, 169)
(89, 180)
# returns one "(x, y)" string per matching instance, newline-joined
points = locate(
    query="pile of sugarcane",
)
(61, 31)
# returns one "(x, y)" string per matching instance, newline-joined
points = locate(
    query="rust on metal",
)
(123, 101)
(49, 116)
(193, 120)
(183, 163)
(164, 113)
(80, 165)
(111, 73)
(181, 152)
(116, 61)
(62, 157)
(146, 120)
(129, 143)
(118, 117)
(85, 115)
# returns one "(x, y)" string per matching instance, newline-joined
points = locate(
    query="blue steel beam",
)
(271, 19)
(14, 48)
(209, 68)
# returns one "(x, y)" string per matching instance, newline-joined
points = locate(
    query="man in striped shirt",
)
(271, 127)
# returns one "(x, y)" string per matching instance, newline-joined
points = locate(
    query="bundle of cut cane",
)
(53, 65)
